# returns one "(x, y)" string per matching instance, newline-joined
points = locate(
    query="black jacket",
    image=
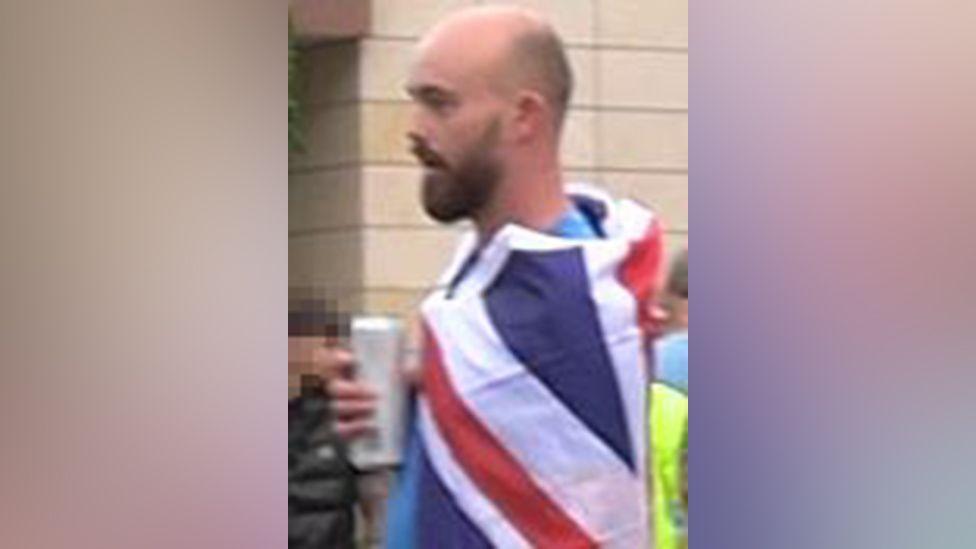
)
(321, 482)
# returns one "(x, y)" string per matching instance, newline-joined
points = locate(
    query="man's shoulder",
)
(615, 216)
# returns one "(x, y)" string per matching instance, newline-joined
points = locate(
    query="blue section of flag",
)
(404, 523)
(540, 305)
(440, 523)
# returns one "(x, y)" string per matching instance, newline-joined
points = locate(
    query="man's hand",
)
(353, 403)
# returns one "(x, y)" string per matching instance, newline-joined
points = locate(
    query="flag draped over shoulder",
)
(532, 414)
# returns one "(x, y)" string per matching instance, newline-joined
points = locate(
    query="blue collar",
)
(574, 224)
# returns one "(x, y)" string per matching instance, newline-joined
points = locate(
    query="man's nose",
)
(414, 139)
(417, 129)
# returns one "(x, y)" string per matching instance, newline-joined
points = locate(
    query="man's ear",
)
(531, 112)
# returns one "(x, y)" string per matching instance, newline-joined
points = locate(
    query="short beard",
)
(454, 193)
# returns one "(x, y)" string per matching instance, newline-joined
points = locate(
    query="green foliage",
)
(296, 119)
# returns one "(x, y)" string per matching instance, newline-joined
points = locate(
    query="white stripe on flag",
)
(617, 312)
(568, 461)
(482, 512)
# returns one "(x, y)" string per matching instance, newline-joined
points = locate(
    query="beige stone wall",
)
(355, 224)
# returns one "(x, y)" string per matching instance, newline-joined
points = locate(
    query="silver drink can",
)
(378, 345)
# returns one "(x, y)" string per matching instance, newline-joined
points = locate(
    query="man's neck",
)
(535, 202)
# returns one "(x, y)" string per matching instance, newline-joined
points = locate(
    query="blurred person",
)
(668, 413)
(527, 424)
(321, 481)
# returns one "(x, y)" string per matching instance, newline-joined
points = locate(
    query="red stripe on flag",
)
(640, 270)
(491, 467)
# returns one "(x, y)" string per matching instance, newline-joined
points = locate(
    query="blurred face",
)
(455, 134)
(679, 313)
(301, 352)
(669, 313)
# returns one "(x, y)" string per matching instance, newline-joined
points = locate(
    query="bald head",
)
(512, 48)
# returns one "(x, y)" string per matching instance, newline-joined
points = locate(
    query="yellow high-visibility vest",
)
(668, 424)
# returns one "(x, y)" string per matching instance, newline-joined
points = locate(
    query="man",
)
(529, 416)
(669, 415)
(321, 481)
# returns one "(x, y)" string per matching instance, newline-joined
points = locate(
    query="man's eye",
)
(438, 103)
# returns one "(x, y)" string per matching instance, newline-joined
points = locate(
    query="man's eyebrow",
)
(421, 91)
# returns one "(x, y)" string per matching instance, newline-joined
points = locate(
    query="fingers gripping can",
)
(378, 345)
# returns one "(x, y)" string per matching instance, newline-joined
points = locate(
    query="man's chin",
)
(441, 214)
(432, 199)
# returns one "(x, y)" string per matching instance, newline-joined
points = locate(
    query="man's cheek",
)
(654, 321)
(681, 314)
(301, 353)
(299, 367)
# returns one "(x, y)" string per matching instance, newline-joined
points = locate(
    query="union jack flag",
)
(532, 416)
